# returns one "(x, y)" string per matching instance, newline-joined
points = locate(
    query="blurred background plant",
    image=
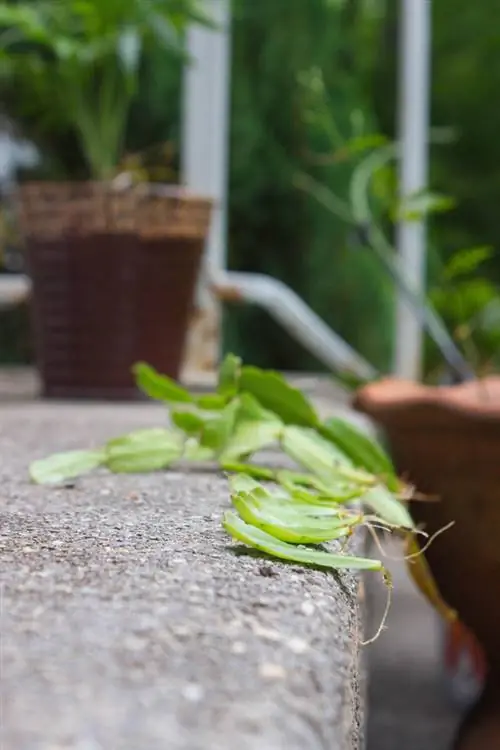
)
(307, 97)
(469, 303)
(71, 71)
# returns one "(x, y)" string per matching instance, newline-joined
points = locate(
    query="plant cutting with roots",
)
(344, 480)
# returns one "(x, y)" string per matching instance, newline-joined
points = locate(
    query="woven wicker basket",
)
(54, 210)
(114, 273)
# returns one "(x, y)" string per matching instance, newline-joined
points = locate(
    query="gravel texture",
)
(129, 623)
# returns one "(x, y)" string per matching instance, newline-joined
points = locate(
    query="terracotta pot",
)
(447, 441)
(114, 274)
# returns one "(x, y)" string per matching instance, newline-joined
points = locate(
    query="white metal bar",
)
(414, 83)
(205, 136)
(288, 309)
(204, 164)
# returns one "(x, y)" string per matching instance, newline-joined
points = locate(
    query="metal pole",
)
(411, 237)
(205, 141)
(288, 309)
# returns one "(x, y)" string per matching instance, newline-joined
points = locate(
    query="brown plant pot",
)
(114, 274)
(447, 441)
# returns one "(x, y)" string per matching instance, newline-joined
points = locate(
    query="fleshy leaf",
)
(219, 428)
(274, 393)
(250, 437)
(63, 466)
(229, 374)
(251, 410)
(337, 495)
(144, 451)
(187, 421)
(313, 452)
(193, 451)
(256, 472)
(266, 543)
(364, 452)
(388, 507)
(291, 526)
(243, 483)
(211, 402)
(159, 387)
(282, 530)
(299, 480)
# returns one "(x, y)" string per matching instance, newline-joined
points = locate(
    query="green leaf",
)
(251, 410)
(422, 204)
(219, 428)
(288, 506)
(229, 374)
(187, 421)
(335, 495)
(298, 480)
(364, 452)
(256, 428)
(211, 402)
(388, 507)
(159, 387)
(193, 451)
(256, 472)
(467, 261)
(243, 483)
(273, 392)
(144, 451)
(313, 452)
(266, 543)
(361, 143)
(249, 438)
(63, 466)
(285, 528)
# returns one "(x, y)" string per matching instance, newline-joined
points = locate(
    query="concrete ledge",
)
(128, 622)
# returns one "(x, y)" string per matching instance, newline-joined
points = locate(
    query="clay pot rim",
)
(477, 398)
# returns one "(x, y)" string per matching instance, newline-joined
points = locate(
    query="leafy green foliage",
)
(143, 451)
(274, 393)
(423, 204)
(468, 302)
(76, 64)
(62, 467)
(159, 387)
(466, 262)
(267, 543)
(293, 509)
(229, 375)
(362, 451)
(465, 76)
(319, 456)
(319, 125)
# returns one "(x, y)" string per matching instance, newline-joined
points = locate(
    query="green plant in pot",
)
(444, 438)
(113, 261)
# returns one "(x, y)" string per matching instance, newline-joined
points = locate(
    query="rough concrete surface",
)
(128, 622)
